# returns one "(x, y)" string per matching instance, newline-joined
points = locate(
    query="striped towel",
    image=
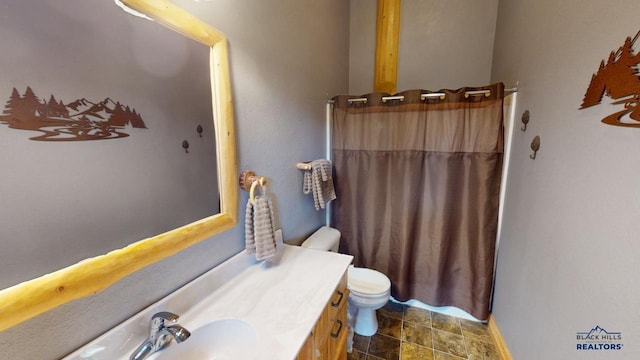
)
(259, 228)
(318, 181)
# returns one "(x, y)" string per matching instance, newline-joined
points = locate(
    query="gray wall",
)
(283, 71)
(569, 246)
(443, 44)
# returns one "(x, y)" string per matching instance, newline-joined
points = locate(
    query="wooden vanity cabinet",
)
(328, 340)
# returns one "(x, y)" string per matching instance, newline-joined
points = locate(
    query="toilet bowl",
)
(369, 290)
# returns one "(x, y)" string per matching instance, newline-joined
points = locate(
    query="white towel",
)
(318, 181)
(259, 228)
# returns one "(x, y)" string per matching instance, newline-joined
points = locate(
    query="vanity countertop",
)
(282, 298)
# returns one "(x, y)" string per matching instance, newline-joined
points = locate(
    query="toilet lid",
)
(367, 281)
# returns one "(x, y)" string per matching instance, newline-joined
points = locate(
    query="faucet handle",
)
(165, 315)
(158, 319)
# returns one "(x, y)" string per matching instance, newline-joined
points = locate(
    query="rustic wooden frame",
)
(31, 298)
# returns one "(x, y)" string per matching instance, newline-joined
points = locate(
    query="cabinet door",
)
(322, 351)
(338, 336)
(328, 341)
(306, 353)
(339, 298)
(320, 331)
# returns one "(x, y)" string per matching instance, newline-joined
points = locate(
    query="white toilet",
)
(369, 289)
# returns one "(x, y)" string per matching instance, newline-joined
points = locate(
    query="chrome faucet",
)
(160, 335)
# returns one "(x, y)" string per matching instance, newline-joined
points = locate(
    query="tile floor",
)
(410, 333)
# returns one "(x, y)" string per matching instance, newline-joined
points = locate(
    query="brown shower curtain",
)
(417, 184)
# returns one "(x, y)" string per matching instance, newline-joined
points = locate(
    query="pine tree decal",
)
(618, 78)
(30, 103)
(13, 105)
(56, 109)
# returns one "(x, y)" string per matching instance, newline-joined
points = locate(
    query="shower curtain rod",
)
(429, 95)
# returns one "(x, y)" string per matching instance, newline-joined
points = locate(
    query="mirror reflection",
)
(96, 105)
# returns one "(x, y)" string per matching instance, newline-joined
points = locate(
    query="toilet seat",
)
(367, 282)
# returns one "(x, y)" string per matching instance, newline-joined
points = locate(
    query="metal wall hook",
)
(535, 146)
(185, 146)
(525, 120)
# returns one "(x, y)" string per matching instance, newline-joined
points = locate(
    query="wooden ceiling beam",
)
(385, 77)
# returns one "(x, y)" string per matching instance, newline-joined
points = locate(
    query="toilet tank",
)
(325, 238)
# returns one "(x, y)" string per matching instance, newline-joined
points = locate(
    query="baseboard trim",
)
(503, 351)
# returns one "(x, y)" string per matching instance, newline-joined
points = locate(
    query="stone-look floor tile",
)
(410, 351)
(446, 323)
(425, 336)
(417, 315)
(417, 334)
(389, 326)
(361, 343)
(476, 329)
(371, 357)
(444, 356)
(384, 347)
(480, 350)
(356, 355)
(449, 343)
(392, 309)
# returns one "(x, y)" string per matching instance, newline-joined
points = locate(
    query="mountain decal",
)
(599, 334)
(619, 79)
(79, 120)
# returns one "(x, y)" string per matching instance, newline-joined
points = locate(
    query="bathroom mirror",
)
(91, 275)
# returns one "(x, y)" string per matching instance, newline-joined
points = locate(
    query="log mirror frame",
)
(33, 297)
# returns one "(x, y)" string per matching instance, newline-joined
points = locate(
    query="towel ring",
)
(253, 188)
(249, 180)
(255, 184)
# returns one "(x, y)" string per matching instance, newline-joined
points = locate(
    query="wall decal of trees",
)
(618, 79)
(79, 120)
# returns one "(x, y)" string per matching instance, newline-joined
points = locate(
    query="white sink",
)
(223, 339)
